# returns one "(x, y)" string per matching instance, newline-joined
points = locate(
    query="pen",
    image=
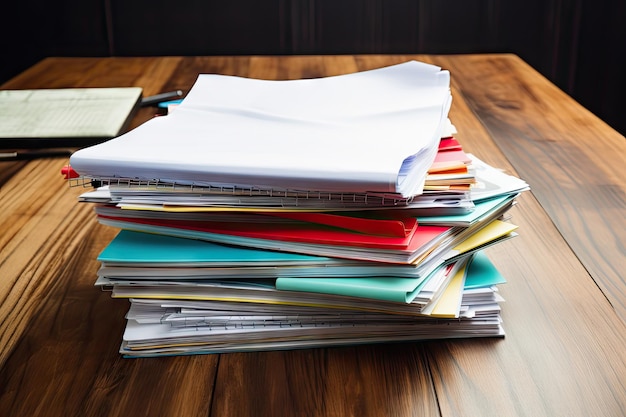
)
(158, 98)
(34, 154)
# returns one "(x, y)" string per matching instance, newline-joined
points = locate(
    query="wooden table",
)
(565, 349)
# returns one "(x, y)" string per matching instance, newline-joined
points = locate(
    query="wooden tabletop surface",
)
(564, 353)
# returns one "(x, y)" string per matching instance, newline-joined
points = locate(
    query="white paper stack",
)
(374, 131)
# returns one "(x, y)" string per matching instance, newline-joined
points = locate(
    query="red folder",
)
(310, 233)
(455, 155)
(379, 227)
(448, 144)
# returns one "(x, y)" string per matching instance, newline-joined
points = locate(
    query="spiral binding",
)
(127, 186)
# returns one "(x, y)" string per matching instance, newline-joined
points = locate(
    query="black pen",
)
(34, 154)
(158, 98)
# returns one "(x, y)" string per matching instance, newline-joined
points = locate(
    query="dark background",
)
(580, 45)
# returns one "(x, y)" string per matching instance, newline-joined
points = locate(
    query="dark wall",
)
(34, 29)
(580, 45)
(599, 76)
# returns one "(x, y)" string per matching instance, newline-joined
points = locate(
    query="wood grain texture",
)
(557, 320)
(564, 310)
(569, 157)
(353, 381)
(60, 335)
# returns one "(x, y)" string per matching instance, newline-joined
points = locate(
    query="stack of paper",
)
(289, 214)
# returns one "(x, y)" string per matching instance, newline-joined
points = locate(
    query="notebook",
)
(64, 117)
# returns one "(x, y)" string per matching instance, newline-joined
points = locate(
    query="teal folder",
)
(136, 248)
(139, 251)
(480, 273)
(401, 290)
(481, 210)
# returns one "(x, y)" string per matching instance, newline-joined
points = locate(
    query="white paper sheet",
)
(374, 131)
